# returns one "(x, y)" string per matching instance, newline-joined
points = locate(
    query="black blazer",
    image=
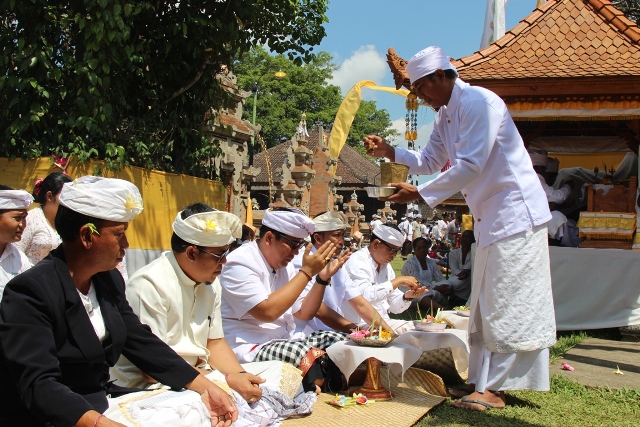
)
(53, 368)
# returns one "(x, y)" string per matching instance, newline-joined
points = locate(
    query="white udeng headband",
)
(389, 235)
(291, 222)
(15, 199)
(209, 229)
(426, 62)
(105, 198)
(330, 221)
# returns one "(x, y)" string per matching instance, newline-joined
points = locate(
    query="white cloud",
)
(424, 131)
(365, 64)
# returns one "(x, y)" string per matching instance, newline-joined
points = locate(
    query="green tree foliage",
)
(281, 101)
(132, 82)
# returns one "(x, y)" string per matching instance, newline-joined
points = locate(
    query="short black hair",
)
(53, 182)
(179, 245)
(422, 239)
(264, 230)
(450, 74)
(68, 223)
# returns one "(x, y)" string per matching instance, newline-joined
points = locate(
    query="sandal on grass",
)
(484, 405)
(459, 392)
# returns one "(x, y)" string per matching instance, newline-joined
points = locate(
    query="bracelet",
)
(306, 274)
(97, 419)
(323, 282)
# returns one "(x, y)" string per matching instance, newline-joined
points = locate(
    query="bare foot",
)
(477, 401)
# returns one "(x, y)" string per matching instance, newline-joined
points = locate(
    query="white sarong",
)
(512, 320)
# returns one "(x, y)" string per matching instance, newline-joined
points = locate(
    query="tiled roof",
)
(352, 166)
(239, 125)
(562, 38)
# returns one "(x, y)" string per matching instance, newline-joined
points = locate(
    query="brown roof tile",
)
(562, 38)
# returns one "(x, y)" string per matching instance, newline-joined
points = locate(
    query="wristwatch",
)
(323, 282)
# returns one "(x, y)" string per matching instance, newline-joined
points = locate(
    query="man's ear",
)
(191, 253)
(268, 237)
(86, 234)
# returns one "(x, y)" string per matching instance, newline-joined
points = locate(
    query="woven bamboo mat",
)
(418, 394)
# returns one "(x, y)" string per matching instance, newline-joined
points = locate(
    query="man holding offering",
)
(512, 318)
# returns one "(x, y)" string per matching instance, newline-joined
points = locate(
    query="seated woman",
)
(13, 216)
(64, 322)
(426, 271)
(40, 236)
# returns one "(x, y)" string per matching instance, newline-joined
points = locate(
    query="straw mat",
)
(418, 394)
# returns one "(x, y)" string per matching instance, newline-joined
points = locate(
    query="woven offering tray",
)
(366, 342)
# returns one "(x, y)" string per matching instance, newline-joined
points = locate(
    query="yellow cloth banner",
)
(164, 194)
(347, 112)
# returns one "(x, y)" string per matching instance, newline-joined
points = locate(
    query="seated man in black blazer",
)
(66, 321)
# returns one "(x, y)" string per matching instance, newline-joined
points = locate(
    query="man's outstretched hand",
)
(405, 193)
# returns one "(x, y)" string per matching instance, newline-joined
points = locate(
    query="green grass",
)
(567, 404)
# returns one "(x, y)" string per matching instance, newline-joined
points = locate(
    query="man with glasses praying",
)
(260, 286)
(370, 271)
(178, 296)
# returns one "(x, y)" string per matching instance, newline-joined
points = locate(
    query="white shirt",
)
(452, 228)
(92, 307)
(404, 227)
(342, 290)
(38, 238)
(489, 164)
(461, 288)
(424, 230)
(182, 313)
(442, 228)
(12, 263)
(553, 195)
(375, 286)
(247, 280)
(375, 223)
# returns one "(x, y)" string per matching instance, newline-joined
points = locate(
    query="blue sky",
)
(359, 32)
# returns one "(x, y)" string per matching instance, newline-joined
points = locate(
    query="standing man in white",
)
(512, 317)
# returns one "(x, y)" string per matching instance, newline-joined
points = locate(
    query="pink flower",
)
(567, 367)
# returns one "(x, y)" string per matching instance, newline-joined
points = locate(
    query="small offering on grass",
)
(343, 401)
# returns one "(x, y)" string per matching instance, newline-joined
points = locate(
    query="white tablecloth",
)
(452, 338)
(595, 288)
(348, 356)
(455, 339)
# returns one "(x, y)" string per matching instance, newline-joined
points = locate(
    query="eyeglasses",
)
(391, 250)
(293, 244)
(218, 257)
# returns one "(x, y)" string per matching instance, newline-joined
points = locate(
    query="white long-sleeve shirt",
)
(12, 263)
(375, 285)
(489, 164)
(553, 195)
